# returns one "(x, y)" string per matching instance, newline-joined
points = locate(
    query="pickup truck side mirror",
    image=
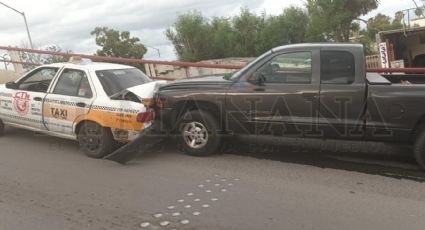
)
(11, 85)
(257, 78)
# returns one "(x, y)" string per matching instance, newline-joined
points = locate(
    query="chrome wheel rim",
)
(195, 135)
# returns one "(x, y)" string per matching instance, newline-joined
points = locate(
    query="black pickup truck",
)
(305, 90)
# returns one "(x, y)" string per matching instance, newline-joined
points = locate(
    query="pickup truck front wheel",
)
(199, 133)
(95, 141)
(419, 149)
(1, 127)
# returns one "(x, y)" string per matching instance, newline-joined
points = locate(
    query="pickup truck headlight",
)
(159, 102)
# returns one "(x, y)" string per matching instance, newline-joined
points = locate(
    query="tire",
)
(1, 127)
(95, 141)
(419, 149)
(199, 134)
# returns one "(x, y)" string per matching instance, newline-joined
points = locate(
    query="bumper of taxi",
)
(145, 141)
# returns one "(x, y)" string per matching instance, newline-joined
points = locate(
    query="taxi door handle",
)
(38, 99)
(81, 104)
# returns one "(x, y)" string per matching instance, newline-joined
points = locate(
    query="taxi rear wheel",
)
(1, 127)
(95, 141)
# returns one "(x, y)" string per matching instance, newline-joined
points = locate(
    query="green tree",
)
(48, 59)
(246, 30)
(330, 20)
(191, 36)
(295, 24)
(287, 28)
(118, 44)
(378, 23)
(222, 38)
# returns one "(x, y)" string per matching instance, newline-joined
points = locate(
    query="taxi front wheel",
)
(95, 141)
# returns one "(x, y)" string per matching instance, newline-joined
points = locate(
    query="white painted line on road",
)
(164, 223)
(158, 215)
(176, 214)
(185, 222)
(145, 224)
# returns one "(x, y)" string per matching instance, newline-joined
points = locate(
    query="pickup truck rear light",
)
(147, 116)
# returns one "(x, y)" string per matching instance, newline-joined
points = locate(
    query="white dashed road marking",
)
(174, 224)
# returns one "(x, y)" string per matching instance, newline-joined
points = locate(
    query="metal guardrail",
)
(179, 63)
(124, 60)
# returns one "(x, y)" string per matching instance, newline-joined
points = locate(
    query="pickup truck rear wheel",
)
(419, 149)
(199, 133)
(95, 141)
(1, 127)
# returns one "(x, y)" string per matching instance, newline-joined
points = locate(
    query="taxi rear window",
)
(116, 80)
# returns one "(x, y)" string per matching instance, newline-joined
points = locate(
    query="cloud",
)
(68, 23)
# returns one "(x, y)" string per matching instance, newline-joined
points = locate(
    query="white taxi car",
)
(98, 104)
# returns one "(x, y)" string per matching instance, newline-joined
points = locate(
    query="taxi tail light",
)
(147, 116)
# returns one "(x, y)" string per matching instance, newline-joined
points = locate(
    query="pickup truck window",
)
(337, 67)
(73, 83)
(39, 80)
(289, 68)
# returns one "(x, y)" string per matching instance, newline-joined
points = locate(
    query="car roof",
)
(318, 45)
(90, 65)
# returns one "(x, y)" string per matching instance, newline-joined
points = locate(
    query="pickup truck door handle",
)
(38, 99)
(81, 104)
(310, 96)
(259, 89)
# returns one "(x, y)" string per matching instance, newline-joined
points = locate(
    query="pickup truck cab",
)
(98, 104)
(304, 90)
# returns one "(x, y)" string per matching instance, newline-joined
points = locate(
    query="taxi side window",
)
(39, 80)
(73, 83)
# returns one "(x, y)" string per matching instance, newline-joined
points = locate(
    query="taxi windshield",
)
(116, 80)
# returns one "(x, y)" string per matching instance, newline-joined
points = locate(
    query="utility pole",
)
(25, 20)
(157, 50)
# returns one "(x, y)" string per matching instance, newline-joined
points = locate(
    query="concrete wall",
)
(176, 72)
(6, 76)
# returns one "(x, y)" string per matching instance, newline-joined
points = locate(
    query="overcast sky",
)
(68, 23)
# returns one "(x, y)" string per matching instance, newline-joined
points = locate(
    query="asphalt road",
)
(46, 183)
